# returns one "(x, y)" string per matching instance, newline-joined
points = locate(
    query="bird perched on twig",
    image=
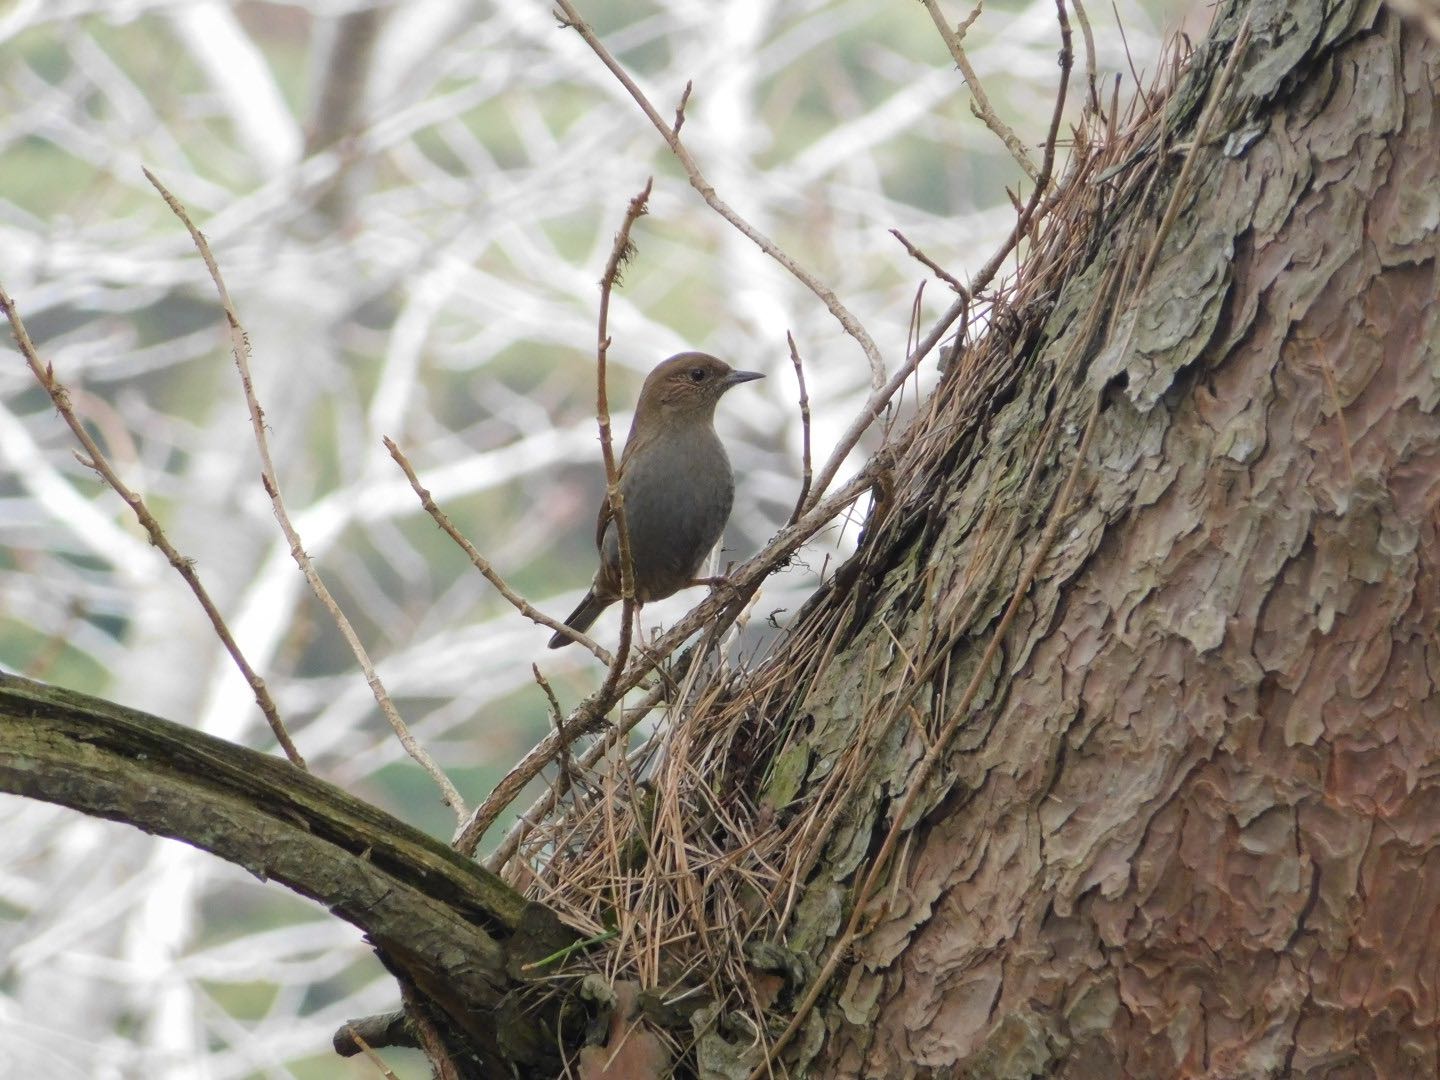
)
(676, 484)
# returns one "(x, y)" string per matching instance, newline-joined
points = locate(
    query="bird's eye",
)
(697, 374)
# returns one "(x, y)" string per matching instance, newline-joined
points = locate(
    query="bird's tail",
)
(581, 618)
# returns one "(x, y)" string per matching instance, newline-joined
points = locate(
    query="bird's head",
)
(689, 384)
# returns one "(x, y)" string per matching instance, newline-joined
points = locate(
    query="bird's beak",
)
(735, 378)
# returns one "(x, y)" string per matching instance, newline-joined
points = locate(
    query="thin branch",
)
(1091, 82)
(805, 470)
(1130, 59)
(369, 1052)
(620, 253)
(852, 326)
(95, 459)
(981, 106)
(875, 404)
(934, 267)
(481, 563)
(240, 351)
(557, 742)
(1066, 60)
(557, 717)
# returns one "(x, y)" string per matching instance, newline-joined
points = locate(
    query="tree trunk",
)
(1189, 824)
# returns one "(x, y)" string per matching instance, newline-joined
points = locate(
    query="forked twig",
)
(557, 717)
(240, 351)
(96, 460)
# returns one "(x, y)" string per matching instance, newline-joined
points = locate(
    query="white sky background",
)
(431, 277)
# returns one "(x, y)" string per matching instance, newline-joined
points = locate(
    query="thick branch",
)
(452, 928)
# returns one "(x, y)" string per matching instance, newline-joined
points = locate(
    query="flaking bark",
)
(1190, 826)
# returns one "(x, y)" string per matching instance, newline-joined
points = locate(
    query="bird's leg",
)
(643, 642)
(638, 630)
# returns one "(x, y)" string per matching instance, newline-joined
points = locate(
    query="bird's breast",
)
(678, 489)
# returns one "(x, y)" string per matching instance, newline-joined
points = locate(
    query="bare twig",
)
(481, 563)
(620, 253)
(1067, 61)
(934, 267)
(240, 351)
(95, 459)
(875, 405)
(1130, 59)
(852, 326)
(550, 698)
(680, 109)
(557, 717)
(369, 1052)
(805, 472)
(981, 107)
(1091, 82)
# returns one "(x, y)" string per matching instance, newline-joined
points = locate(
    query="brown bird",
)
(676, 484)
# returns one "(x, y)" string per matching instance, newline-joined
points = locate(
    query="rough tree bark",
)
(1189, 823)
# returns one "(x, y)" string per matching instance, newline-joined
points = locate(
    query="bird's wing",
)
(602, 522)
